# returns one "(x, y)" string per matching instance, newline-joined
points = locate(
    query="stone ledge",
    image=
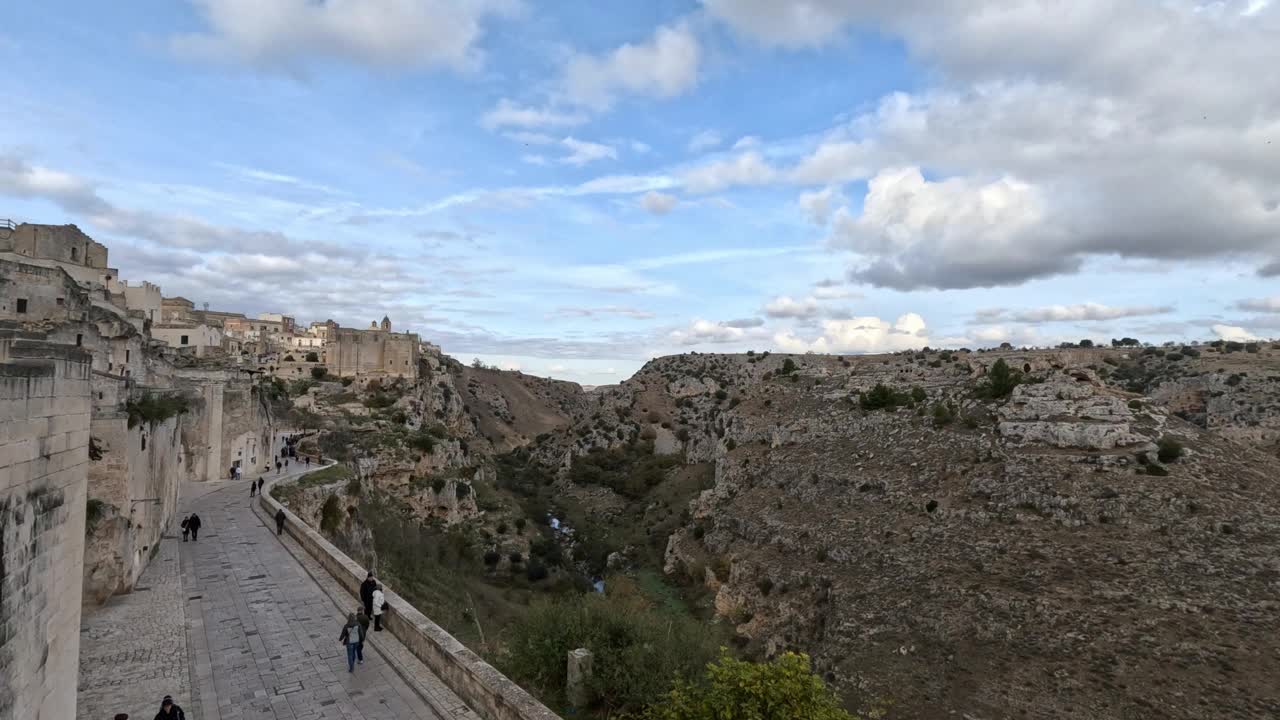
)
(490, 693)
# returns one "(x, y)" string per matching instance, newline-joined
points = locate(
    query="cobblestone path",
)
(133, 649)
(264, 635)
(234, 627)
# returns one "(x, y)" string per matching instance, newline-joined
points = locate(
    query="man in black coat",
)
(280, 521)
(366, 593)
(169, 710)
(193, 524)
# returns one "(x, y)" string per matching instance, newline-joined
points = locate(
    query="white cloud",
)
(819, 204)
(664, 67)
(379, 33)
(508, 113)
(860, 335)
(705, 331)
(582, 152)
(1263, 305)
(834, 290)
(834, 162)
(952, 233)
(529, 138)
(535, 159)
(704, 140)
(1083, 312)
(658, 203)
(746, 142)
(1234, 332)
(785, 306)
(745, 169)
(640, 147)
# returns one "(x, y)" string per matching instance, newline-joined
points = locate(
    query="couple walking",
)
(356, 630)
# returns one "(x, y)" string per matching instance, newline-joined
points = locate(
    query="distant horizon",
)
(571, 190)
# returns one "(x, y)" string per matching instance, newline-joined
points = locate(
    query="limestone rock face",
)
(1073, 414)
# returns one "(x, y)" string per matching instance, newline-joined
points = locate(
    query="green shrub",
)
(942, 414)
(155, 408)
(346, 381)
(1135, 404)
(320, 373)
(1157, 470)
(438, 485)
(638, 652)
(379, 400)
(784, 688)
(462, 489)
(722, 394)
(492, 558)
(312, 357)
(883, 397)
(1001, 381)
(535, 571)
(788, 367)
(353, 487)
(423, 441)
(918, 395)
(1168, 449)
(629, 470)
(94, 511)
(300, 387)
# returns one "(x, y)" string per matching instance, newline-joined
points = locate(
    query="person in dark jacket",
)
(169, 710)
(193, 524)
(366, 593)
(280, 521)
(186, 529)
(364, 633)
(260, 482)
(351, 636)
(253, 487)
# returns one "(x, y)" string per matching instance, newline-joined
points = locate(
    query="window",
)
(144, 442)
(184, 340)
(60, 301)
(22, 305)
(126, 356)
(79, 340)
(74, 254)
(99, 396)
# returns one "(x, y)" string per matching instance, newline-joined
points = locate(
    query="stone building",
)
(376, 351)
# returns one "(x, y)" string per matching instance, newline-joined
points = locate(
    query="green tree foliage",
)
(1125, 342)
(330, 514)
(638, 651)
(312, 357)
(1168, 449)
(918, 395)
(788, 367)
(155, 408)
(883, 397)
(319, 373)
(629, 470)
(735, 689)
(1001, 380)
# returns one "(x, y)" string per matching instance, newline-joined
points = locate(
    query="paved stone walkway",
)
(264, 636)
(235, 626)
(133, 649)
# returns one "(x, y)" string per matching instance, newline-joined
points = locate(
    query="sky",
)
(571, 189)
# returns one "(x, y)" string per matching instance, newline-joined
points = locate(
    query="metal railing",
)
(7, 227)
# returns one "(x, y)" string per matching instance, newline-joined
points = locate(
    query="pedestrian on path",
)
(351, 637)
(260, 482)
(366, 592)
(169, 710)
(278, 466)
(193, 524)
(379, 604)
(280, 521)
(186, 527)
(308, 459)
(253, 487)
(364, 633)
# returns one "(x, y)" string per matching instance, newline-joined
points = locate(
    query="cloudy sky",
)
(572, 188)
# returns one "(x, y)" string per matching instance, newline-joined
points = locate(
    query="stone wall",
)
(44, 437)
(373, 352)
(230, 424)
(479, 684)
(47, 294)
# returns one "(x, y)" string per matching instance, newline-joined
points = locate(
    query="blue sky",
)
(573, 188)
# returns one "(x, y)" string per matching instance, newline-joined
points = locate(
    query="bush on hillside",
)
(786, 687)
(330, 514)
(637, 651)
(312, 357)
(1001, 380)
(883, 397)
(155, 408)
(319, 373)
(1168, 449)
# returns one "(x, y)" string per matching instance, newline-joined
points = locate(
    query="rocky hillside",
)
(1093, 534)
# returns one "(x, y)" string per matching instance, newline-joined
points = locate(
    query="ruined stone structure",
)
(44, 438)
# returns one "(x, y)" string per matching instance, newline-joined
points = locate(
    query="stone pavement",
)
(234, 627)
(133, 649)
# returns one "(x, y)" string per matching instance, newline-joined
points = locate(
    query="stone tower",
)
(386, 323)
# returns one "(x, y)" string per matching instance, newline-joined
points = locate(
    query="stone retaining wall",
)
(478, 683)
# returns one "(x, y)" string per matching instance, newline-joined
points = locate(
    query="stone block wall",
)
(48, 293)
(44, 437)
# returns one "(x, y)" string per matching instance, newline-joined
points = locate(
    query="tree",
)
(1086, 343)
(783, 688)
(312, 357)
(1125, 342)
(319, 373)
(1168, 449)
(1001, 380)
(788, 367)
(477, 363)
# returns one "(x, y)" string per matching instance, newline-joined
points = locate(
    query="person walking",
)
(280, 521)
(379, 604)
(364, 634)
(278, 466)
(185, 525)
(308, 459)
(193, 524)
(253, 487)
(351, 637)
(169, 710)
(366, 592)
(260, 482)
